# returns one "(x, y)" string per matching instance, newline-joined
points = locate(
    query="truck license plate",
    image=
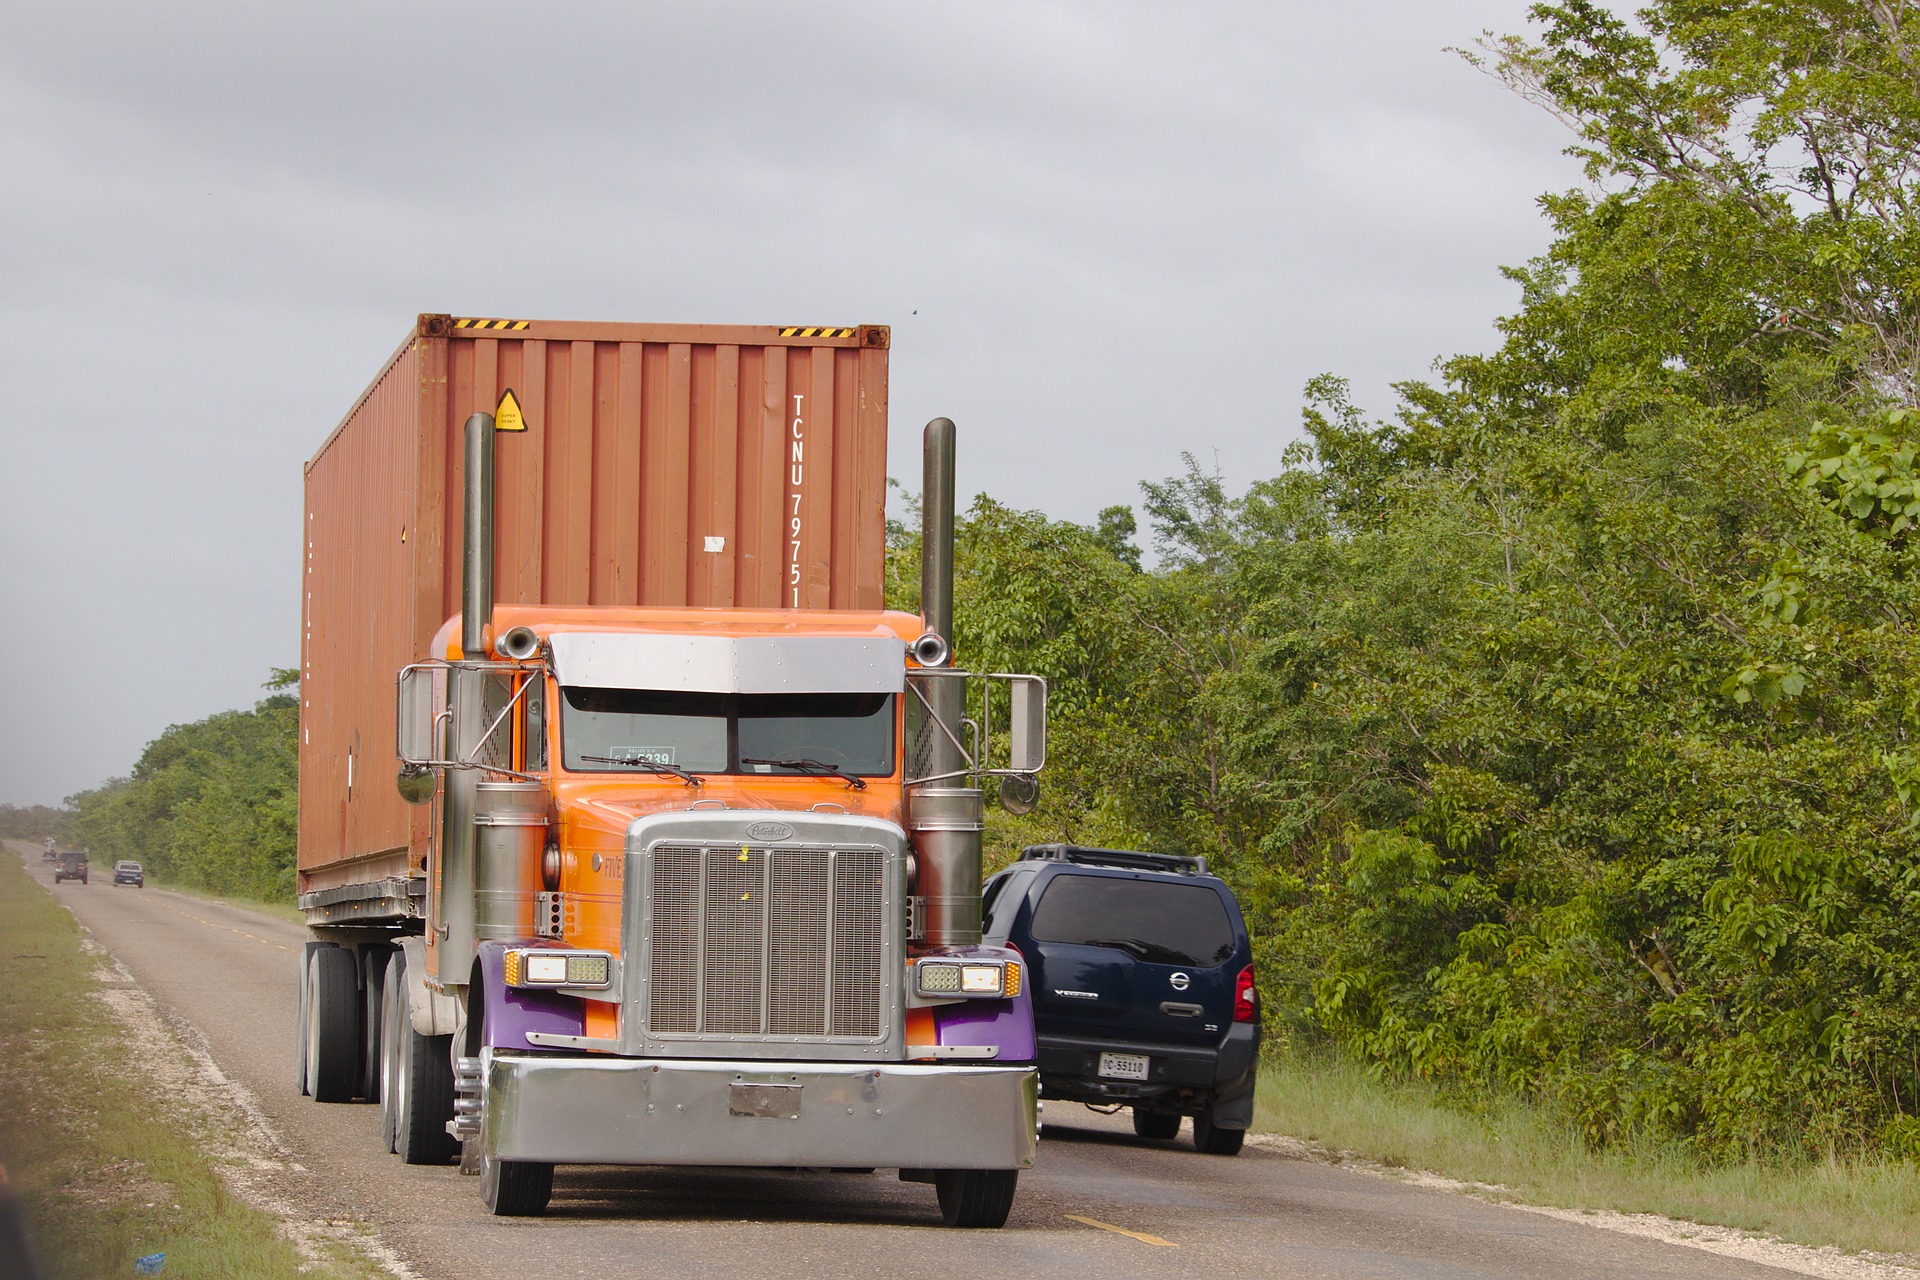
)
(1123, 1066)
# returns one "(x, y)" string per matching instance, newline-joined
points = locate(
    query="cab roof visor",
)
(731, 664)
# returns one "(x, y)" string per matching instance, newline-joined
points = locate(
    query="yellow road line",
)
(1141, 1236)
(229, 928)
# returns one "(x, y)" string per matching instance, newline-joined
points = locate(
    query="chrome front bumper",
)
(607, 1110)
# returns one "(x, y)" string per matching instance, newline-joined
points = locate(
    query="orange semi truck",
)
(681, 864)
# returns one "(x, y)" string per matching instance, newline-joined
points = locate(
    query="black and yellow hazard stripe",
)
(796, 331)
(515, 325)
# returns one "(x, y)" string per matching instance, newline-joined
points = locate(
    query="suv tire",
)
(1209, 1139)
(975, 1197)
(1156, 1126)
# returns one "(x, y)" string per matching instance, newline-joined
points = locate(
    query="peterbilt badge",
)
(1180, 982)
(769, 831)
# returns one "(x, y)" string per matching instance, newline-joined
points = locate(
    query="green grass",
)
(106, 1171)
(1856, 1205)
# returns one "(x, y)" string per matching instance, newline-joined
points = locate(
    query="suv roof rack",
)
(1127, 858)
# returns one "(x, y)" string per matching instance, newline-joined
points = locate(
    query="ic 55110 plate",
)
(1124, 1066)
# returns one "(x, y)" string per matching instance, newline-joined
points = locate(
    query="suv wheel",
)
(1157, 1126)
(1213, 1141)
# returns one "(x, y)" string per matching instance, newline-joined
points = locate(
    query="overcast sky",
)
(1103, 233)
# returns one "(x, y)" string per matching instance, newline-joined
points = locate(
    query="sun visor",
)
(731, 664)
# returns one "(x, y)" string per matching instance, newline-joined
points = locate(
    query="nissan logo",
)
(1180, 982)
(769, 831)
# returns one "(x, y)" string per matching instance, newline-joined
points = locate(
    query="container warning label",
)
(507, 415)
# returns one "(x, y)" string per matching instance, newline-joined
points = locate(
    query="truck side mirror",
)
(1028, 732)
(413, 723)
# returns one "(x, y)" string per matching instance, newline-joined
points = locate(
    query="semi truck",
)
(634, 829)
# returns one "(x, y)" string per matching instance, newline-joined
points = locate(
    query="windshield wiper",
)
(651, 766)
(810, 766)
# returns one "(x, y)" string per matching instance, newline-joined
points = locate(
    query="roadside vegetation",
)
(1518, 1150)
(107, 1170)
(209, 806)
(1556, 728)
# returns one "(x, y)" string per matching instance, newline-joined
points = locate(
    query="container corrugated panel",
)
(702, 465)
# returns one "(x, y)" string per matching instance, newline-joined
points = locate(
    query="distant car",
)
(1143, 991)
(48, 853)
(125, 872)
(72, 866)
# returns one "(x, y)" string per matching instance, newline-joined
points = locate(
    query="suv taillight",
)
(1246, 1001)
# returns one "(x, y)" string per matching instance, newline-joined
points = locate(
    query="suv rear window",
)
(1150, 920)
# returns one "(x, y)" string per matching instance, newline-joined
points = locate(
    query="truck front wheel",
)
(975, 1197)
(515, 1188)
(416, 1079)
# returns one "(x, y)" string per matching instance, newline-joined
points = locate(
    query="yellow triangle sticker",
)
(507, 415)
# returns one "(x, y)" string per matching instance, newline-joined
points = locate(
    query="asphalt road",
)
(1098, 1204)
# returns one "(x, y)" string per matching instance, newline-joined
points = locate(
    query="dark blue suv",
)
(1142, 981)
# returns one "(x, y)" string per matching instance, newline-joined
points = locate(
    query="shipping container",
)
(688, 465)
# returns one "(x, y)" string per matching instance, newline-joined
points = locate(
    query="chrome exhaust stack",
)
(466, 692)
(945, 821)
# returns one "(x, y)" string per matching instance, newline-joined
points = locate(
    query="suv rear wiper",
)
(811, 766)
(651, 766)
(1147, 951)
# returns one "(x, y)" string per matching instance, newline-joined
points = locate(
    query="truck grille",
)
(766, 942)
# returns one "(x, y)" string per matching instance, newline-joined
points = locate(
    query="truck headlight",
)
(544, 967)
(987, 978)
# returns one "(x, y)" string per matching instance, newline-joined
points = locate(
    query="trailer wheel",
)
(416, 1093)
(376, 960)
(333, 1025)
(975, 1197)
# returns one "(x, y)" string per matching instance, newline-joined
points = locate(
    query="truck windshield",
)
(783, 733)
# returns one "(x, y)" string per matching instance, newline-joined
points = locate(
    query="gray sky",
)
(1103, 233)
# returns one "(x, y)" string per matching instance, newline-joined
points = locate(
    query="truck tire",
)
(376, 960)
(1209, 1139)
(416, 1095)
(515, 1188)
(975, 1197)
(333, 1025)
(1157, 1126)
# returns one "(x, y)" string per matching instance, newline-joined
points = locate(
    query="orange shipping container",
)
(694, 465)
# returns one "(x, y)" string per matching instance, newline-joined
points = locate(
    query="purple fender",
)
(514, 1011)
(1005, 1024)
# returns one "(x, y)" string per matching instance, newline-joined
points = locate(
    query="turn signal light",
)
(1246, 997)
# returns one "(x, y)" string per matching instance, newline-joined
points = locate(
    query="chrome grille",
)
(766, 942)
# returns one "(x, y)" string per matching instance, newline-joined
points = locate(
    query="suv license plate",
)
(1123, 1066)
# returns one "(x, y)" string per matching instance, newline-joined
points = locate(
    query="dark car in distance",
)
(127, 871)
(1142, 981)
(72, 866)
